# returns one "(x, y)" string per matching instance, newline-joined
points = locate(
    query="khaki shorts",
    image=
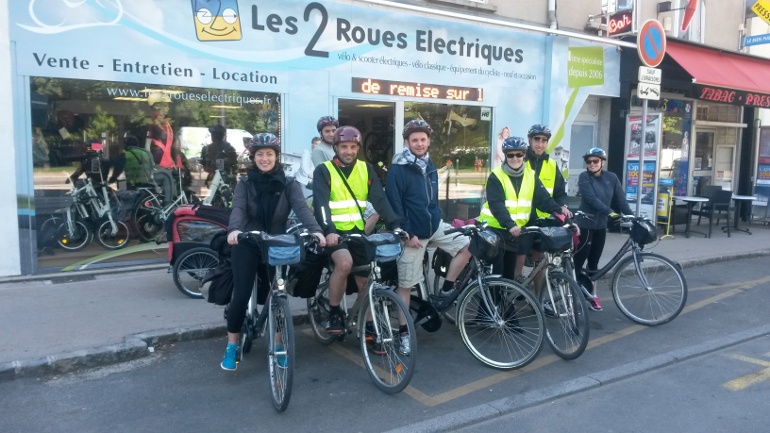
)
(410, 263)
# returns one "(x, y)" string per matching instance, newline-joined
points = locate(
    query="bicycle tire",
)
(656, 304)
(318, 308)
(516, 339)
(390, 370)
(566, 324)
(120, 240)
(146, 228)
(80, 238)
(281, 376)
(191, 268)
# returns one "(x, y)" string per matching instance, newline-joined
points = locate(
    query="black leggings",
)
(591, 247)
(247, 263)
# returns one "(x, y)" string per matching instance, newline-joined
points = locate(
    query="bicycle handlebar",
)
(307, 237)
(465, 230)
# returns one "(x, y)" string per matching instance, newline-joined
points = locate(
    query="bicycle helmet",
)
(416, 126)
(326, 121)
(514, 143)
(597, 152)
(347, 133)
(264, 140)
(539, 130)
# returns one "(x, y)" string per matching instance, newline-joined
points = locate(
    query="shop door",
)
(703, 161)
(375, 120)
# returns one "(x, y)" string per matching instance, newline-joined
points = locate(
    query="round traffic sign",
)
(651, 43)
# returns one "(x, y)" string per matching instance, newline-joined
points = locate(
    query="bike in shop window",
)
(111, 162)
(460, 147)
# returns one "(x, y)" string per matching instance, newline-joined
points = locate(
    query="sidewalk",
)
(49, 326)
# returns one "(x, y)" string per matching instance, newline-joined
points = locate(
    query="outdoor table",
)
(690, 200)
(739, 200)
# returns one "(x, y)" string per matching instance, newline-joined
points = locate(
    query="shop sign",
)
(762, 9)
(620, 23)
(416, 90)
(632, 181)
(585, 67)
(763, 174)
(650, 141)
(740, 98)
(486, 113)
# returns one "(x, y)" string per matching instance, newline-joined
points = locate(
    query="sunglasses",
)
(543, 139)
(592, 161)
(514, 155)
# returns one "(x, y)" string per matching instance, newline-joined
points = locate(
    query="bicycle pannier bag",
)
(485, 245)
(643, 232)
(279, 250)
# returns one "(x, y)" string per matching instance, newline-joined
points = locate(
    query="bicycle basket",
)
(281, 250)
(643, 232)
(555, 239)
(485, 245)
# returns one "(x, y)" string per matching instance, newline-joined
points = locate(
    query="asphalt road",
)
(181, 387)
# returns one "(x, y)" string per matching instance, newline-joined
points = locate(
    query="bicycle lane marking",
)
(432, 401)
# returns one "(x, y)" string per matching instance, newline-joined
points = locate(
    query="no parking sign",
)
(651, 43)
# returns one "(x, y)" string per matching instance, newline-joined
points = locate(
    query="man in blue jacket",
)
(412, 189)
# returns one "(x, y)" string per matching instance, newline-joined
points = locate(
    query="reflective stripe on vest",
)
(346, 213)
(548, 178)
(519, 207)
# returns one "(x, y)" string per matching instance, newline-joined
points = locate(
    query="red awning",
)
(715, 68)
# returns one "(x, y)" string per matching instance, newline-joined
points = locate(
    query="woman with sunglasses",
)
(600, 192)
(512, 191)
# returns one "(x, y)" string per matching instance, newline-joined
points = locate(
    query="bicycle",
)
(150, 213)
(565, 309)
(80, 226)
(391, 369)
(647, 288)
(500, 322)
(220, 192)
(278, 251)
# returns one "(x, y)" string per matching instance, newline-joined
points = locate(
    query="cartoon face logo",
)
(217, 20)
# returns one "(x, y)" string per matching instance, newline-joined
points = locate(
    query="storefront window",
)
(460, 147)
(123, 135)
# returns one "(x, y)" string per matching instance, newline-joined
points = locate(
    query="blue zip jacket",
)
(414, 198)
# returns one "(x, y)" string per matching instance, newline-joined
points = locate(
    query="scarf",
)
(408, 158)
(507, 169)
(269, 187)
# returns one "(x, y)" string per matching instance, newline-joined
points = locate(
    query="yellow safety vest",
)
(548, 178)
(518, 207)
(346, 213)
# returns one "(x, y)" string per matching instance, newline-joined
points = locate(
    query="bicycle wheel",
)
(566, 318)
(113, 242)
(509, 337)
(75, 241)
(318, 311)
(191, 268)
(280, 354)
(146, 226)
(656, 296)
(389, 363)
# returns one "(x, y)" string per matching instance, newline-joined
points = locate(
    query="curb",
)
(64, 276)
(505, 406)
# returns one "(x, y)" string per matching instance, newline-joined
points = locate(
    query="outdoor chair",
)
(719, 201)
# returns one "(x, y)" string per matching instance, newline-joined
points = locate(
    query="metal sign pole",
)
(641, 160)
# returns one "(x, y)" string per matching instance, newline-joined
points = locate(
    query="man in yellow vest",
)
(548, 172)
(513, 192)
(341, 188)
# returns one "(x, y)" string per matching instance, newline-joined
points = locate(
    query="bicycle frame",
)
(154, 205)
(216, 184)
(99, 206)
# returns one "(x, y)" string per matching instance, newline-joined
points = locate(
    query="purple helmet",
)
(326, 121)
(416, 126)
(347, 133)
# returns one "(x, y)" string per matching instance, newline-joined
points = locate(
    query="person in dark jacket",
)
(340, 213)
(219, 149)
(412, 189)
(600, 193)
(262, 201)
(512, 192)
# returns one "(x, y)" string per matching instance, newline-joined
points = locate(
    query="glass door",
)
(375, 120)
(702, 170)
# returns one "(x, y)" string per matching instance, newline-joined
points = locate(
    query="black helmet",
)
(416, 126)
(539, 130)
(597, 152)
(262, 141)
(347, 133)
(514, 143)
(217, 129)
(326, 121)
